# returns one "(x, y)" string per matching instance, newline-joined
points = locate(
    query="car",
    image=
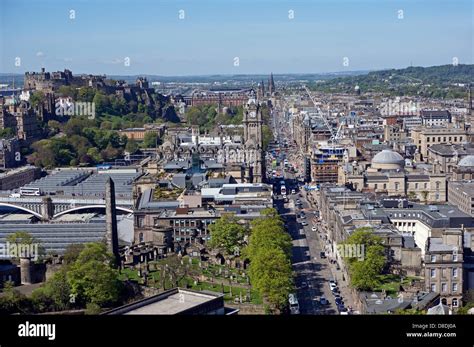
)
(323, 300)
(332, 286)
(314, 229)
(304, 285)
(341, 308)
(293, 191)
(322, 255)
(302, 216)
(304, 223)
(333, 281)
(339, 300)
(298, 201)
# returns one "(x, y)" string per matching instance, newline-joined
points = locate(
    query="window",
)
(433, 258)
(438, 184)
(455, 257)
(397, 185)
(455, 273)
(444, 287)
(455, 302)
(433, 273)
(433, 287)
(455, 287)
(416, 185)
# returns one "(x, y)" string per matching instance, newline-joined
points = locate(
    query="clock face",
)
(253, 114)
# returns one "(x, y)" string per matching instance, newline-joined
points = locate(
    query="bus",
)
(294, 306)
(30, 191)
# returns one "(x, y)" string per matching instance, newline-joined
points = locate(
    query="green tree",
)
(227, 233)
(22, 239)
(268, 231)
(365, 272)
(132, 146)
(271, 274)
(36, 98)
(92, 277)
(151, 140)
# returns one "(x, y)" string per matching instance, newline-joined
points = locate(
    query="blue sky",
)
(214, 32)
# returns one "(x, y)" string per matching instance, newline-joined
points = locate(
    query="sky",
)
(202, 37)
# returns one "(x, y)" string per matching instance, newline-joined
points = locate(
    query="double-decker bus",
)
(30, 191)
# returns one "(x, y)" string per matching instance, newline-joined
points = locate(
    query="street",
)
(312, 272)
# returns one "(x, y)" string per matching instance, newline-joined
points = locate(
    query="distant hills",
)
(444, 81)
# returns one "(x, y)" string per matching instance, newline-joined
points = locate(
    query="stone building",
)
(443, 261)
(389, 175)
(425, 137)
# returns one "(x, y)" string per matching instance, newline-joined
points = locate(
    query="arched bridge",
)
(61, 205)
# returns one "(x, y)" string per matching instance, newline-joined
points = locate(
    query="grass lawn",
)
(209, 270)
(391, 283)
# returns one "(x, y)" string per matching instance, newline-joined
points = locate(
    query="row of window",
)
(454, 272)
(449, 139)
(454, 258)
(444, 287)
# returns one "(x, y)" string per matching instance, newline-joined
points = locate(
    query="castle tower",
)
(253, 142)
(111, 233)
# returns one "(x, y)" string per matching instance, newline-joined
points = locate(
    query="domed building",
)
(467, 161)
(388, 160)
(465, 169)
(387, 175)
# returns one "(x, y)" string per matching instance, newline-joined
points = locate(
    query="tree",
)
(24, 241)
(56, 292)
(36, 98)
(271, 274)
(177, 268)
(268, 231)
(92, 277)
(151, 140)
(425, 194)
(131, 146)
(72, 252)
(227, 233)
(365, 272)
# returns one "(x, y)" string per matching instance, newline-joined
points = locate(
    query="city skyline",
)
(321, 37)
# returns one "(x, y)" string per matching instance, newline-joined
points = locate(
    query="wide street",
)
(312, 272)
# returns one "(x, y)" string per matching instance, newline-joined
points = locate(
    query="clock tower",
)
(253, 142)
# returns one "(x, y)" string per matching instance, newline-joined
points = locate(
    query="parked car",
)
(322, 255)
(304, 223)
(323, 300)
(332, 285)
(339, 300)
(313, 229)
